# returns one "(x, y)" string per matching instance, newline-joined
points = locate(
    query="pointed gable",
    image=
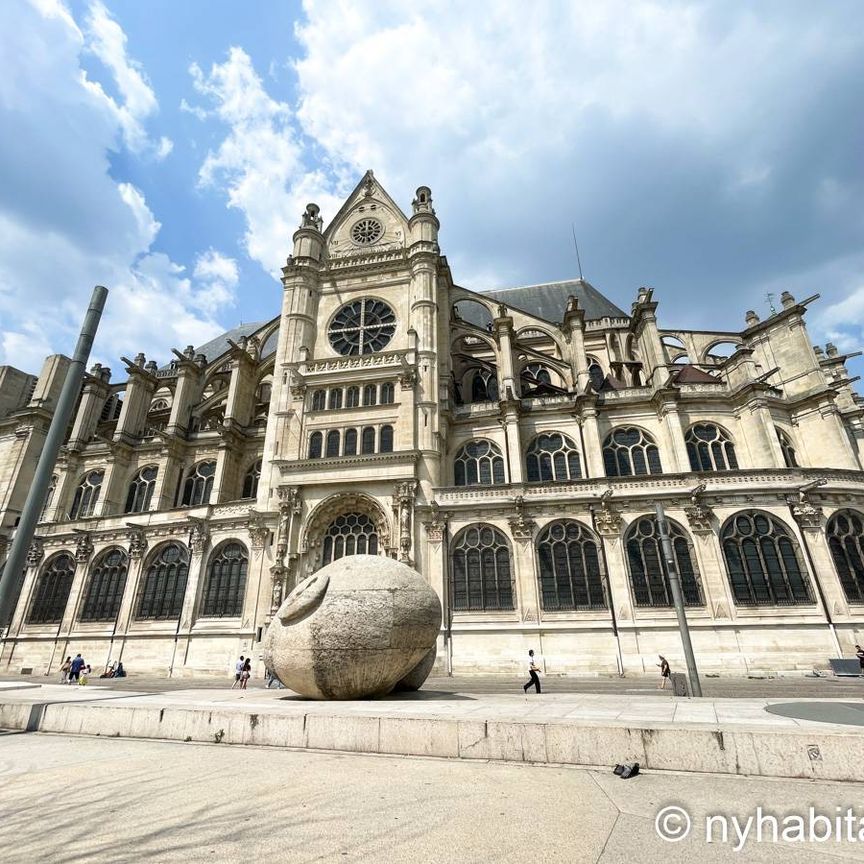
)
(691, 375)
(369, 219)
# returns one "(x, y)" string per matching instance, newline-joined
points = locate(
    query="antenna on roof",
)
(578, 260)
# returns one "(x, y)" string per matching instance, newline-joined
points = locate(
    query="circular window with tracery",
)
(366, 231)
(362, 327)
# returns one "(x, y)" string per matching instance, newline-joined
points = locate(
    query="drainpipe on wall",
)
(619, 659)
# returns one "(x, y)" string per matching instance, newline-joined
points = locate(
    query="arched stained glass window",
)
(710, 448)
(552, 456)
(334, 400)
(370, 394)
(648, 575)
(596, 375)
(350, 534)
(845, 534)
(385, 440)
(250, 481)
(536, 380)
(316, 444)
(388, 393)
(628, 450)
(141, 488)
(478, 463)
(368, 440)
(226, 581)
(350, 442)
(199, 484)
(319, 400)
(52, 590)
(484, 386)
(481, 575)
(87, 495)
(164, 584)
(763, 561)
(570, 568)
(352, 397)
(790, 458)
(106, 586)
(333, 440)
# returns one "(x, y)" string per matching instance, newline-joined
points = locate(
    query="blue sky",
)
(710, 150)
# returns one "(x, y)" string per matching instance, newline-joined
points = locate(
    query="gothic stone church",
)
(509, 444)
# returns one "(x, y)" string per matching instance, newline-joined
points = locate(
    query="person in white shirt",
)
(533, 670)
(238, 672)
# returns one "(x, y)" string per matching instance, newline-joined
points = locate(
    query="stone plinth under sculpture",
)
(359, 627)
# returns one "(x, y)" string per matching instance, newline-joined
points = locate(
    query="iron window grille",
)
(106, 586)
(629, 451)
(226, 581)
(552, 456)
(52, 591)
(570, 574)
(481, 575)
(710, 448)
(845, 534)
(478, 463)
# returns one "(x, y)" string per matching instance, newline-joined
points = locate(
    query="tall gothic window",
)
(316, 444)
(484, 386)
(388, 393)
(226, 581)
(87, 495)
(370, 394)
(478, 463)
(368, 439)
(570, 571)
(199, 484)
(52, 590)
(335, 399)
(141, 490)
(106, 586)
(385, 439)
(788, 449)
(49, 497)
(845, 533)
(250, 481)
(164, 584)
(350, 442)
(350, 534)
(319, 400)
(481, 575)
(648, 574)
(552, 456)
(628, 450)
(710, 448)
(536, 380)
(352, 397)
(763, 561)
(333, 441)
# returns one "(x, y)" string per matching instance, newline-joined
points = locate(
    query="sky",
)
(713, 151)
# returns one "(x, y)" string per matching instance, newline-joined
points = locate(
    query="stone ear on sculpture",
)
(305, 598)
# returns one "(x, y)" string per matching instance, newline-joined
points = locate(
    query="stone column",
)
(436, 572)
(644, 326)
(593, 455)
(137, 547)
(199, 541)
(513, 454)
(674, 433)
(93, 396)
(83, 555)
(35, 554)
(508, 387)
(522, 528)
(140, 387)
(574, 329)
(187, 391)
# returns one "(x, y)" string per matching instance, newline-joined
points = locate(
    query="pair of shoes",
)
(629, 769)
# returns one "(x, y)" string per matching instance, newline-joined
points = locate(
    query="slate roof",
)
(692, 375)
(549, 300)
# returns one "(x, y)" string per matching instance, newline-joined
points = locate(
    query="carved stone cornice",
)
(522, 526)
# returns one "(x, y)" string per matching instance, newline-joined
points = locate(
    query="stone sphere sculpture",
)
(355, 629)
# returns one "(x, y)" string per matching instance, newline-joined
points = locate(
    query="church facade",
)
(511, 445)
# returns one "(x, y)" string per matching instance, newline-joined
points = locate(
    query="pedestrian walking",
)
(859, 653)
(75, 668)
(64, 670)
(533, 671)
(665, 672)
(238, 671)
(246, 673)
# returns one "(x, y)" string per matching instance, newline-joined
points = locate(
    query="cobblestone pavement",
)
(93, 801)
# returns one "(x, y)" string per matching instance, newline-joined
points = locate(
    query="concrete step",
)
(746, 744)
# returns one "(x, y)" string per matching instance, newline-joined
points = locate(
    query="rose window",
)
(362, 327)
(367, 231)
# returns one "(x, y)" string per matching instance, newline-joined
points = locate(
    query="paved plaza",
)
(74, 800)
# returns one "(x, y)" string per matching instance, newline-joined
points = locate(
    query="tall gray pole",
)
(678, 600)
(11, 577)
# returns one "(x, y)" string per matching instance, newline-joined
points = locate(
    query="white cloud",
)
(65, 223)
(106, 39)
(259, 164)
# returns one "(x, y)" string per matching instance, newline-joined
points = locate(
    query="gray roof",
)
(549, 300)
(218, 346)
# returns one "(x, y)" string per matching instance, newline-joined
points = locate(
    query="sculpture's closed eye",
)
(305, 598)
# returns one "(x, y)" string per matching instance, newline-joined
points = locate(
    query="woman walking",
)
(64, 670)
(246, 673)
(665, 672)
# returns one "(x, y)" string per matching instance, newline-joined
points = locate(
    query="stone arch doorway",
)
(350, 523)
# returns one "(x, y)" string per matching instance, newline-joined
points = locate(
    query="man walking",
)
(238, 671)
(859, 653)
(75, 669)
(533, 670)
